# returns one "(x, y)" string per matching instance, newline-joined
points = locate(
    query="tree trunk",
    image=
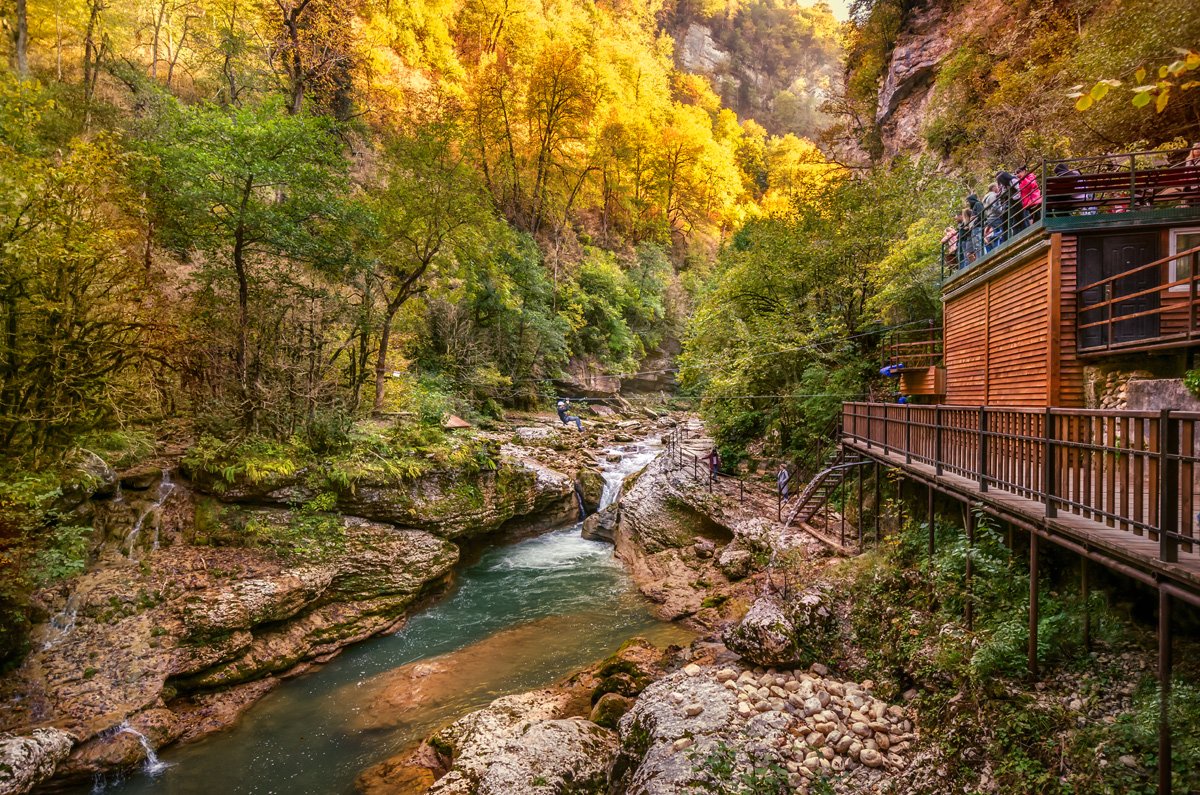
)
(295, 63)
(21, 36)
(158, 23)
(381, 370)
(243, 326)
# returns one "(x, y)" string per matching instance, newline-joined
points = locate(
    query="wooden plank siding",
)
(997, 339)
(1070, 368)
(966, 348)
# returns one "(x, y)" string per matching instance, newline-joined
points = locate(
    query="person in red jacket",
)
(1031, 196)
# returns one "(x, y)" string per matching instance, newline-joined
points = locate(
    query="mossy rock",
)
(609, 709)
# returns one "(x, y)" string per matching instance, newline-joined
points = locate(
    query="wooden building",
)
(1110, 270)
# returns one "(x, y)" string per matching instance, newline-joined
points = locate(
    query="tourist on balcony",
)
(993, 218)
(1010, 195)
(969, 238)
(1031, 195)
(1062, 170)
(992, 238)
(950, 247)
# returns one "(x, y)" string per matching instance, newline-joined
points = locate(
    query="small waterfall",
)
(613, 478)
(633, 457)
(118, 495)
(165, 487)
(153, 765)
(579, 499)
(63, 622)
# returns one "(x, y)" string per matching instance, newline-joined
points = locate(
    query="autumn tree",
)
(73, 329)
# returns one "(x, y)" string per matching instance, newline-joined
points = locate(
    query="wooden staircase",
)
(833, 472)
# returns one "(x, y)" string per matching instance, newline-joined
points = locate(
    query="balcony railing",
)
(916, 348)
(1147, 307)
(1127, 470)
(1082, 186)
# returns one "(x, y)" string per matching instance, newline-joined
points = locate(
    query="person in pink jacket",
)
(1031, 195)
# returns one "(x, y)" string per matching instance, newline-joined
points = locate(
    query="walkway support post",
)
(859, 522)
(1086, 589)
(1033, 604)
(878, 498)
(1168, 488)
(970, 604)
(1164, 693)
(929, 516)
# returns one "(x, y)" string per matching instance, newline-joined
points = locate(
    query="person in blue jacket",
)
(566, 418)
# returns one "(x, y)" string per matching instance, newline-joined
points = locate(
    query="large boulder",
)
(672, 726)
(28, 760)
(781, 631)
(519, 746)
(602, 525)
(591, 486)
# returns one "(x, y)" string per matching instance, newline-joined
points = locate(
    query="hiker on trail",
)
(566, 418)
(782, 479)
(714, 462)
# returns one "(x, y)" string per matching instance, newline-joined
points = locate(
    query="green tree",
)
(242, 192)
(431, 217)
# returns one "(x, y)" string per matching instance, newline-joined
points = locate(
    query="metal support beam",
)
(842, 512)
(1164, 693)
(1033, 604)
(859, 519)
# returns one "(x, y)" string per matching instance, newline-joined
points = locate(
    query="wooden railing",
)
(1114, 314)
(916, 353)
(1130, 470)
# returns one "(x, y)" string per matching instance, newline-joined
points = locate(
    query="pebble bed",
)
(834, 727)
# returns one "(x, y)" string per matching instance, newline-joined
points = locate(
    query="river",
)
(520, 617)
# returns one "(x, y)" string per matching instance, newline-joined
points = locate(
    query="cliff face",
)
(989, 82)
(776, 64)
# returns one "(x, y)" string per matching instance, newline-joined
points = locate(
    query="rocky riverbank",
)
(652, 723)
(204, 595)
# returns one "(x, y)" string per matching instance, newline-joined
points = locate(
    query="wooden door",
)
(1101, 257)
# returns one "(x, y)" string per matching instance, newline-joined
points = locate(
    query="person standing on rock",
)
(566, 418)
(714, 462)
(783, 478)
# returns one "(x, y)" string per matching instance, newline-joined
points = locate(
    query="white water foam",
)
(165, 487)
(153, 765)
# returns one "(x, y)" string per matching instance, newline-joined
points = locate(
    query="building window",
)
(1182, 240)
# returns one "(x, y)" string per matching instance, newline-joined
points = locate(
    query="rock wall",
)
(772, 62)
(449, 503)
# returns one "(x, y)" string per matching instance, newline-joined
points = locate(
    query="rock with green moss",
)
(451, 501)
(609, 710)
(591, 487)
